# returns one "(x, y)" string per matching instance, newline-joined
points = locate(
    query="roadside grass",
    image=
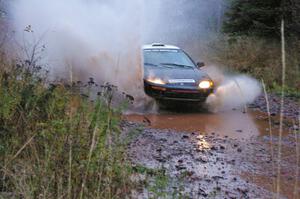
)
(260, 58)
(160, 185)
(56, 143)
(156, 181)
(293, 92)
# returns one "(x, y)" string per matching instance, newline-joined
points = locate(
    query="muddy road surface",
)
(231, 154)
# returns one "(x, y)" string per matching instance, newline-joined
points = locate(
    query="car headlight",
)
(206, 84)
(156, 81)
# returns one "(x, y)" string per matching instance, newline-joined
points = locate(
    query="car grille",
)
(175, 93)
(198, 95)
(183, 84)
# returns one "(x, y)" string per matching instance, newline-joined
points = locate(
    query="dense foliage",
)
(262, 18)
(251, 43)
(56, 143)
(260, 58)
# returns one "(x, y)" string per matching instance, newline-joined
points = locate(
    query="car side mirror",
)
(200, 64)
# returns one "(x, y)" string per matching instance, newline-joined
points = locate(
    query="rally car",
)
(170, 74)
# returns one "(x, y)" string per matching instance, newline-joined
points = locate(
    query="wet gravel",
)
(291, 105)
(200, 166)
(203, 165)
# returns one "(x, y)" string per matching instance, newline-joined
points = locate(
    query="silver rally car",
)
(170, 74)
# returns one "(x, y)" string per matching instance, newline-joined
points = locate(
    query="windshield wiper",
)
(150, 64)
(179, 65)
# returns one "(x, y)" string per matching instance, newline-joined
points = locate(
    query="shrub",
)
(55, 143)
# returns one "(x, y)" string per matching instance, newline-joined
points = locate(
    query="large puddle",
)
(255, 155)
(234, 124)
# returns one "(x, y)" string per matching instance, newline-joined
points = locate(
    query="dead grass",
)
(260, 58)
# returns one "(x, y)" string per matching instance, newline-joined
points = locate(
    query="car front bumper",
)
(178, 93)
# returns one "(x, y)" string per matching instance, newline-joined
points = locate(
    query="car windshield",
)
(167, 58)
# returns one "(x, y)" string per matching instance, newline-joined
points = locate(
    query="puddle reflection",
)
(234, 124)
(202, 143)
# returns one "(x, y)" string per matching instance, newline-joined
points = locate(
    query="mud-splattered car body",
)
(170, 74)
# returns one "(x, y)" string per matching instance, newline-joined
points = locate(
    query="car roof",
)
(159, 46)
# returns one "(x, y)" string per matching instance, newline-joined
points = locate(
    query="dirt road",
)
(225, 155)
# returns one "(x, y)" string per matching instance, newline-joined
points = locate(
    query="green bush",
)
(55, 143)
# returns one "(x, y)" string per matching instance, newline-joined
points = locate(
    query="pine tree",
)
(292, 16)
(262, 17)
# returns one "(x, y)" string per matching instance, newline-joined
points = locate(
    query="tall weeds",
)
(297, 172)
(270, 133)
(55, 143)
(283, 79)
(260, 58)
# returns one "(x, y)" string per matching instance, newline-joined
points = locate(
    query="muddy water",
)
(234, 124)
(246, 139)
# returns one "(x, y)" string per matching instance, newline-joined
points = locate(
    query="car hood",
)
(174, 73)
